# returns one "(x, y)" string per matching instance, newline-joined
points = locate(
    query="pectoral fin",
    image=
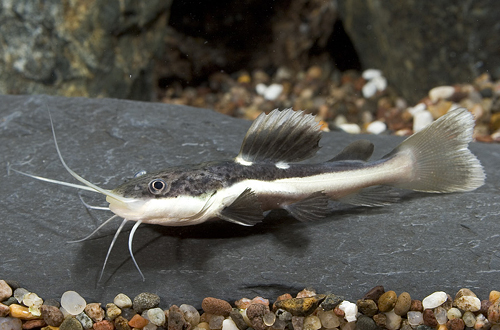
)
(244, 210)
(311, 208)
(373, 196)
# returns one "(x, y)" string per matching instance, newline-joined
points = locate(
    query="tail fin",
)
(442, 162)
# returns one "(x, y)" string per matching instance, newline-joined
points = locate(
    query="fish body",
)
(268, 173)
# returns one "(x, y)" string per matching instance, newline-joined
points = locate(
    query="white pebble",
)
(369, 89)
(376, 127)
(454, 313)
(229, 324)
(191, 314)
(415, 318)
(350, 128)
(369, 74)
(72, 302)
(393, 320)
(350, 310)
(441, 92)
(156, 316)
(441, 315)
(34, 302)
(380, 83)
(416, 109)
(468, 303)
(122, 300)
(10, 323)
(270, 92)
(19, 294)
(469, 319)
(421, 120)
(434, 300)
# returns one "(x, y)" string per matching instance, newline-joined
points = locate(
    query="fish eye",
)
(140, 173)
(157, 186)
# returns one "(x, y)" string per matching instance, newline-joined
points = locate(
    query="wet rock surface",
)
(107, 141)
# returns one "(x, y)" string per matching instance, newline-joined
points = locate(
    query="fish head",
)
(166, 198)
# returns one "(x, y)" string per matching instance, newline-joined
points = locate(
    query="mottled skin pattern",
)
(206, 178)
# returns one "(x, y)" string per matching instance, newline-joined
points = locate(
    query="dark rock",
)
(255, 313)
(331, 301)
(31, 324)
(380, 319)
(70, 323)
(121, 323)
(367, 306)
(365, 323)
(238, 320)
(416, 305)
(430, 318)
(176, 319)
(374, 293)
(52, 302)
(406, 49)
(145, 301)
(52, 315)
(455, 324)
(81, 49)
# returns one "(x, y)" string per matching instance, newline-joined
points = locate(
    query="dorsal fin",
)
(357, 150)
(280, 137)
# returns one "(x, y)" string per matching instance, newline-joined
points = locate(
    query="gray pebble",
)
(52, 302)
(145, 301)
(238, 320)
(85, 320)
(331, 301)
(70, 323)
(10, 301)
(365, 323)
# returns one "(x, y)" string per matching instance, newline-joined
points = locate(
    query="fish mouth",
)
(125, 207)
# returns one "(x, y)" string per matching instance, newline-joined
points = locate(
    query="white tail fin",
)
(442, 162)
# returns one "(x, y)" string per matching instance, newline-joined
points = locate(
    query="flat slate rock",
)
(422, 244)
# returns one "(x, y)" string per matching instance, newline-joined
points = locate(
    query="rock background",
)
(127, 49)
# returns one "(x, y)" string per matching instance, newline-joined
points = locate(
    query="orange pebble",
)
(138, 322)
(22, 312)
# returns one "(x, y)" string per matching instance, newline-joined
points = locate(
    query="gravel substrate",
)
(377, 309)
(352, 101)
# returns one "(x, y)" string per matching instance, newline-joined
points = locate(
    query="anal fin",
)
(311, 208)
(372, 196)
(244, 210)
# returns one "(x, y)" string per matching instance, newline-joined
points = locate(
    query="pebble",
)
(255, 314)
(453, 313)
(33, 302)
(238, 320)
(72, 302)
(94, 311)
(175, 320)
(122, 300)
(380, 319)
(481, 322)
(387, 301)
(350, 309)
(121, 323)
(367, 306)
(415, 318)
(331, 301)
(71, 323)
(138, 321)
(421, 120)
(416, 305)
(10, 323)
(468, 303)
(157, 316)
(328, 319)
(365, 323)
(441, 93)
(21, 312)
(145, 301)
(434, 300)
(350, 128)
(215, 322)
(31, 324)
(403, 304)
(103, 325)
(4, 310)
(485, 304)
(312, 322)
(269, 318)
(374, 293)
(393, 321)
(85, 320)
(112, 311)
(494, 296)
(440, 315)
(469, 319)
(298, 322)
(494, 312)
(191, 314)
(455, 324)
(376, 127)
(300, 306)
(52, 315)
(5, 290)
(228, 324)
(216, 306)
(429, 318)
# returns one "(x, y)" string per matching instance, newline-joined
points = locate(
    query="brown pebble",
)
(94, 311)
(387, 301)
(34, 324)
(429, 318)
(416, 306)
(485, 305)
(255, 313)
(375, 293)
(298, 322)
(205, 317)
(494, 312)
(306, 293)
(403, 304)
(285, 296)
(337, 311)
(103, 325)
(5, 290)
(380, 319)
(367, 306)
(138, 321)
(455, 324)
(216, 322)
(238, 320)
(112, 311)
(52, 315)
(176, 320)
(300, 306)
(121, 323)
(4, 310)
(216, 306)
